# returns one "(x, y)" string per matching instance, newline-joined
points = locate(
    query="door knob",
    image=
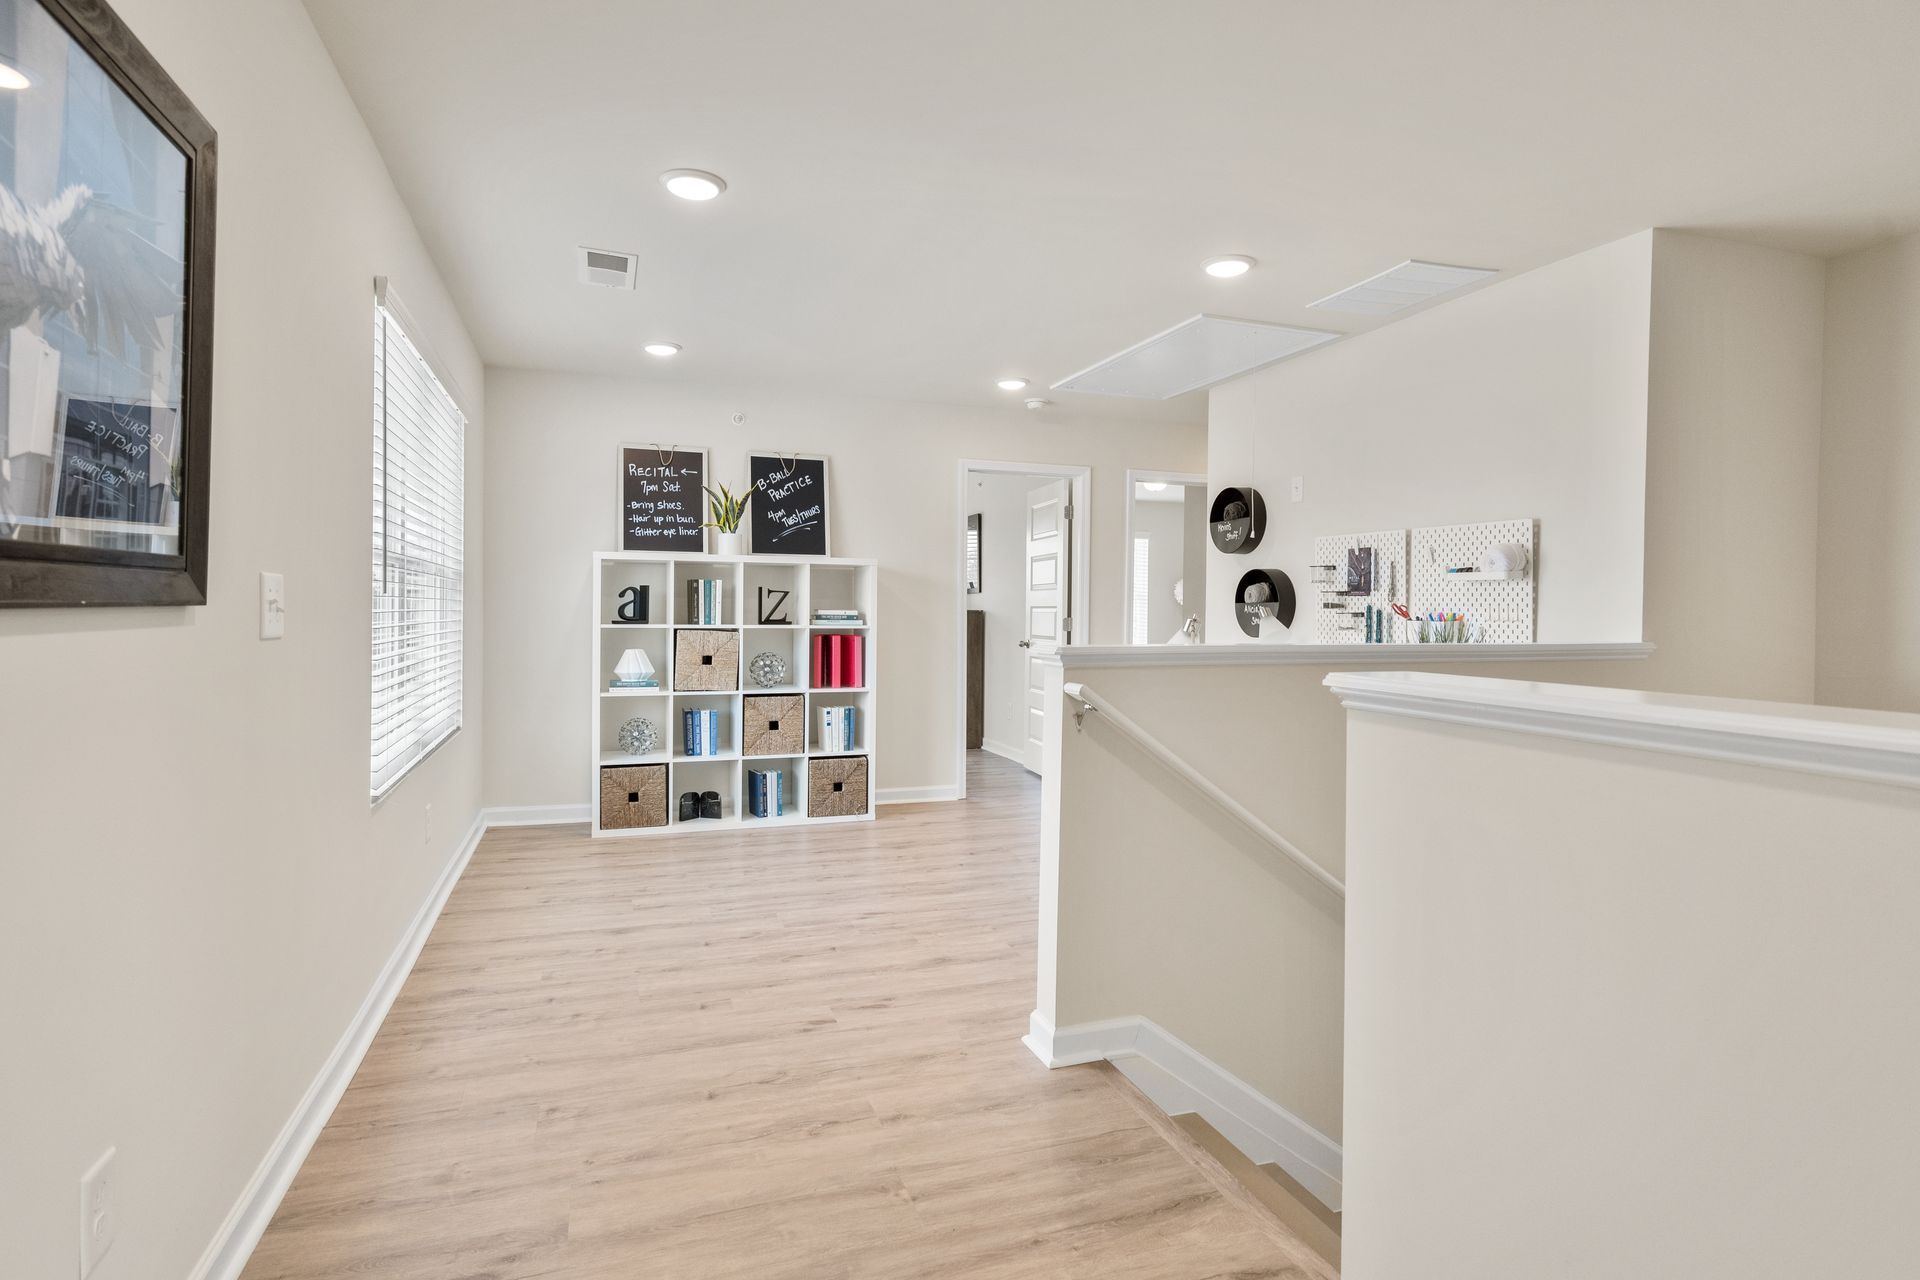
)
(1026, 644)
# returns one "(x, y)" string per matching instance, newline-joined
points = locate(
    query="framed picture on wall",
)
(106, 315)
(787, 513)
(662, 498)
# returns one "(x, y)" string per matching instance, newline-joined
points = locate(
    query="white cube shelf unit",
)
(810, 583)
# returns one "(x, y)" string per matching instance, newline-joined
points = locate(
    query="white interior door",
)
(1049, 587)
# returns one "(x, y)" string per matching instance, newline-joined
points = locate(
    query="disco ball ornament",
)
(769, 670)
(638, 737)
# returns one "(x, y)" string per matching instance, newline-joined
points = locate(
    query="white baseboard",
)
(551, 815)
(1004, 751)
(915, 795)
(1179, 1079)
(536, 815)
(234, 1243)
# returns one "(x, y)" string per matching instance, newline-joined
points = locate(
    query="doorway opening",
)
(1022, 537)
(1163, 566)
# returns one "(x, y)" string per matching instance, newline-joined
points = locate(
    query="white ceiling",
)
(927, 196)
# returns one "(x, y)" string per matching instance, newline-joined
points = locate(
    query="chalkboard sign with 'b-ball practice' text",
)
(788, 513)
(662, 504)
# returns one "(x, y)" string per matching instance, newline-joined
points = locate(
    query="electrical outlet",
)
(1299, 488)
(273, 606)
(99, 1213)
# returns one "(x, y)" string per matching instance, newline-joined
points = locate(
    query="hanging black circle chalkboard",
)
(1263, 593)
(1237, 521)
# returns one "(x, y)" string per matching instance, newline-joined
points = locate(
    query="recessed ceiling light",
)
(1226, 268)
(1154, 486)
(662, 349)
(1012, 384)
(694, 184)
(13, 78)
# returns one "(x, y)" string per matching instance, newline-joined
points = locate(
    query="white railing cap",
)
(1876, 746)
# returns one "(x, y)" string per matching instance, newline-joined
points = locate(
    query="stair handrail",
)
(1088, 700)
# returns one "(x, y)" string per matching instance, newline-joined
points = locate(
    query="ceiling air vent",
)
(1193, 354)
(1407, 285)
(609, 268)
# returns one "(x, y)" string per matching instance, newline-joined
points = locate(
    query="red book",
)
(836, 661)
(857, 648)
(819, 662)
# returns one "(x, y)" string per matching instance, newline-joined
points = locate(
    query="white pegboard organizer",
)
(1502, 609)
(1339, 626)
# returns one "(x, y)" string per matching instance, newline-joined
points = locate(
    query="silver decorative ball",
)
(638, 737)
(769, 670)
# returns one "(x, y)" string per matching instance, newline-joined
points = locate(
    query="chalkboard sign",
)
(662, 504)
(788, 514)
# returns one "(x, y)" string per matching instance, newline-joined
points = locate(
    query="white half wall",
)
(197, 897)
(1649, 1014)
(894, 483)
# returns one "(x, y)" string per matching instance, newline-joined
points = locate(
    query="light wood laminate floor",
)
(764, 1055)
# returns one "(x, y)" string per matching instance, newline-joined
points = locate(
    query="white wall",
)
(552, 446)
(1702, 1065)
(1655, 403)
(1527, 398)
(1733, 455)
(1001, 500)
(1868, 599)
(194, 894)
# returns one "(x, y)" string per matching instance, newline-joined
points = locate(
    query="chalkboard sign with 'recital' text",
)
(662, 504)
(788, 513)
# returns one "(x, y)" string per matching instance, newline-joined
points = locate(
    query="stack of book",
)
(700, 731)
(837, 618)
(839, 729)
(703, 601)
(766, 793)
(638, 682)
(839, 662)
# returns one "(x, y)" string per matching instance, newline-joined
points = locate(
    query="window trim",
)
(386, 297)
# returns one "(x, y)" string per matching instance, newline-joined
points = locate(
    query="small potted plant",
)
(725, 511)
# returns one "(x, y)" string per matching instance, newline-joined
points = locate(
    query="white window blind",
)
(419, 486)
(1142, 547)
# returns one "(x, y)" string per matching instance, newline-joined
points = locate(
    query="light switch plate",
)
(99, 1213)
(273, 606)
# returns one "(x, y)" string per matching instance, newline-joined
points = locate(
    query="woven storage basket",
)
(706, 660)
(836, 786)
(774, 724)
(633, 796)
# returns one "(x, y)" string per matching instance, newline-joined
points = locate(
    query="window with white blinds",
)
(419, 486)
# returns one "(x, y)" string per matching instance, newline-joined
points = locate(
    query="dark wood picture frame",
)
(48, 574)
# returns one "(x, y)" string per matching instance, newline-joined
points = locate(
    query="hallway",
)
(795, 1055)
